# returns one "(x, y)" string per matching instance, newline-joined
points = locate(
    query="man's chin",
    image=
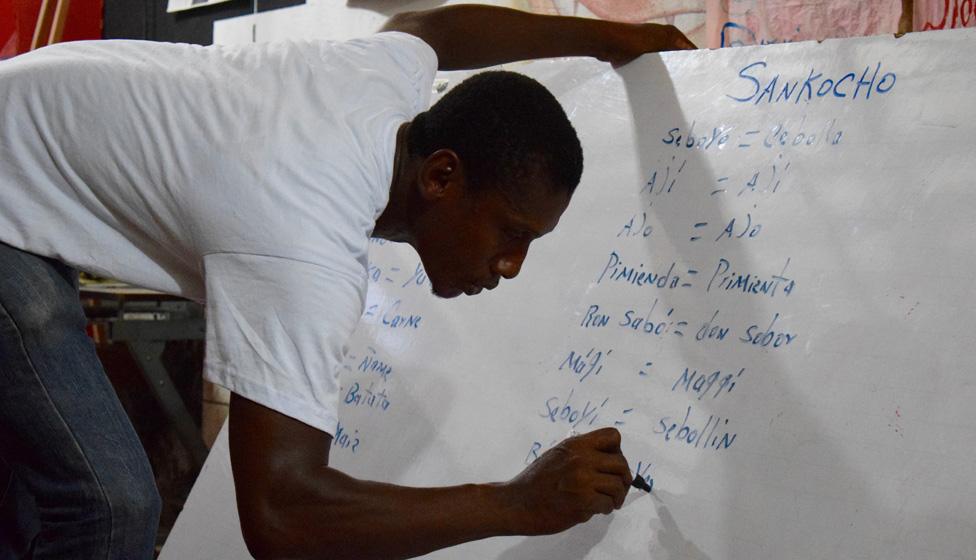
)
(446, 292)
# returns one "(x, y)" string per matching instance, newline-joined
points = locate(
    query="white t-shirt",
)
(250, 177)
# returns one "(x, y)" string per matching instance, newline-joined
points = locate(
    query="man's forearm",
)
(472, 36)
(293, 505)
(327, 514)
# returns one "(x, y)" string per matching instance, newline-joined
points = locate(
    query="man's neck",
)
(394, 223)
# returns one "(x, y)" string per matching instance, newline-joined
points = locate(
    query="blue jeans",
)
(74, 479)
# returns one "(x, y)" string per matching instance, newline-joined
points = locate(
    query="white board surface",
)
(818, 251)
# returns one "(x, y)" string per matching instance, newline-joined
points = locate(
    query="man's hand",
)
(635, 40)
(582, 476)
(475, 36)
(293, 505)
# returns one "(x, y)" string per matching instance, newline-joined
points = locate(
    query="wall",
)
(18, 18)
(148, 19)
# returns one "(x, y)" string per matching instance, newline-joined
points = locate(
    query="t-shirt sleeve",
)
(416, 59)
(276, 332)
(406, 63)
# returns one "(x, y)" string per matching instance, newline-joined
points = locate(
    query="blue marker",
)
(641, 484)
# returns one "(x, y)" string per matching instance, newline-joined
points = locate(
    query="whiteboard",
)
(810, 240)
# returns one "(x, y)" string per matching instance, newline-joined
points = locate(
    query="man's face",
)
(469, 242)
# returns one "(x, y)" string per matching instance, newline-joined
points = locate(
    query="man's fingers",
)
(679, 41)
(611, 461)
(616, 465)
(604, 439)
(685, 44)
(610, 471)
(602, 503)
(610, 487)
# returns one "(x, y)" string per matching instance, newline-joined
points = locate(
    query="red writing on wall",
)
(945, 14)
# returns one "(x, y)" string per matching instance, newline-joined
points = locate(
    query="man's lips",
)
(476, 287)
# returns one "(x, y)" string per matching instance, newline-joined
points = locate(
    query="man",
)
(251, 178)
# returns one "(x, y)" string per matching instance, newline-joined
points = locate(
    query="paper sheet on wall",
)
(729, 23)
(761, 22)
(712, 24)
(764, 282)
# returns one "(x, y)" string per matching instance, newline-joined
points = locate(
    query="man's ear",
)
(441, 176)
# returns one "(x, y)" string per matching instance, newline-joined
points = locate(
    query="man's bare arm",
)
(293, 505)
(473, 36)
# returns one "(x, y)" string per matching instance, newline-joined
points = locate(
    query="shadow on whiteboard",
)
(576, 543)
(667, 540)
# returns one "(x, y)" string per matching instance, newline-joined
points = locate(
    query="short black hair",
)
(506, 128)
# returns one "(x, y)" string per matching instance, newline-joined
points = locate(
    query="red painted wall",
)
(18, 17)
